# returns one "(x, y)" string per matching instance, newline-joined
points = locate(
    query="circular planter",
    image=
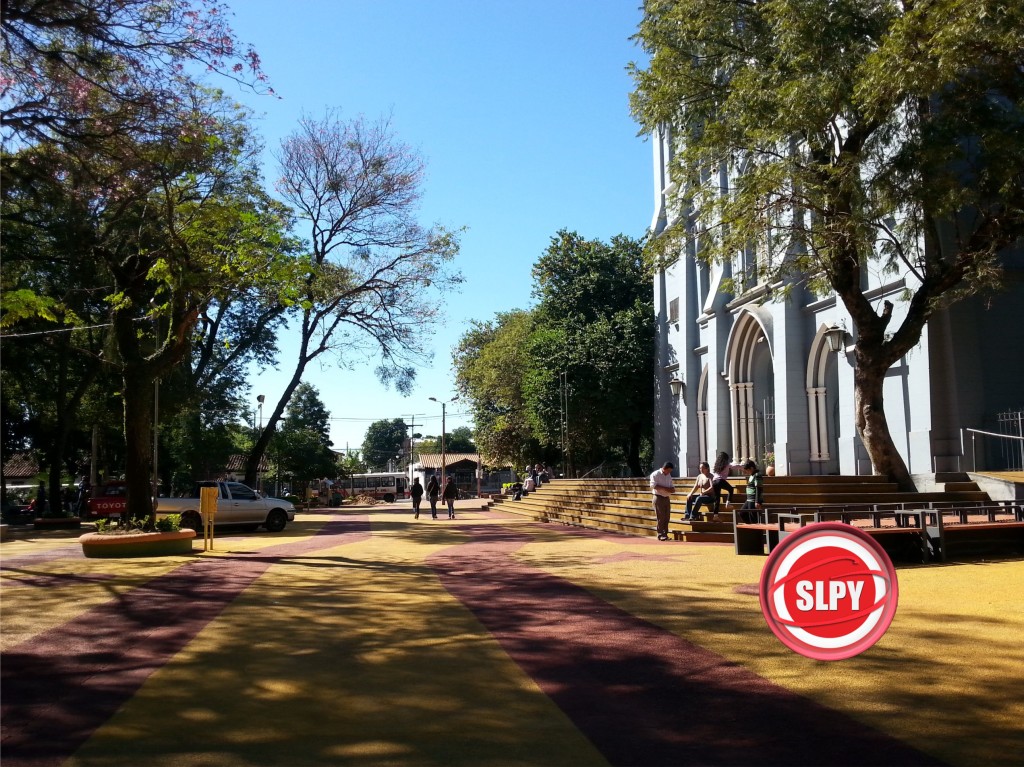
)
(137, 544)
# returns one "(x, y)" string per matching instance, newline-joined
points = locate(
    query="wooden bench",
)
(771, 527)
(899, 531)
(997, 527)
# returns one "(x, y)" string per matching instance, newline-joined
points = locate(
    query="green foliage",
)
(843, 128)
(843, 144)
(490, 362)
(594, 323)
(169, 524)
(383, 442)
(460, 440)
(302, 446)
(352, 463)
(131, 204)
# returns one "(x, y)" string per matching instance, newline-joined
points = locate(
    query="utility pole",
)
(259, 474)
(412, 446)
(443, 408)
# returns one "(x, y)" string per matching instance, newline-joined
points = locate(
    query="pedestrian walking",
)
(433, 490)
(416, 491)
(451, 492)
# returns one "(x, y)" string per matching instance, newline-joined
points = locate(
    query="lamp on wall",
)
(836, 337)
(677, 386)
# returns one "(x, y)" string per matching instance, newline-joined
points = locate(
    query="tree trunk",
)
(633, 451)
(252, 461)
(873, 426)
(138, 437)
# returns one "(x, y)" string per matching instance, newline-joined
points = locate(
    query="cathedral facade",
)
(767, 373)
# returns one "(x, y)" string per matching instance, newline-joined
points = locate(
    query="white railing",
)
(1013, 450)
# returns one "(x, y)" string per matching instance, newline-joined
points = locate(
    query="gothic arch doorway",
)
(751, 375)
(823, 406)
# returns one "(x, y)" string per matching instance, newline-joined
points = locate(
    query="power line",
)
(373, 420)
(56, 330)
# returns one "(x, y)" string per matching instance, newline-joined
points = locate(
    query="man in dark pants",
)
(416, 491)
(433, 490)
(661, 489)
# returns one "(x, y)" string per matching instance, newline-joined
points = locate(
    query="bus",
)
(383, 485)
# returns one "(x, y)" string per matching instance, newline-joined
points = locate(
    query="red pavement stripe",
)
(62, 685)
(643, 695)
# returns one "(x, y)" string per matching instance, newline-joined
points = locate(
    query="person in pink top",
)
(720, 479)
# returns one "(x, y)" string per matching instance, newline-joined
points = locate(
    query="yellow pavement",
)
(356, 654)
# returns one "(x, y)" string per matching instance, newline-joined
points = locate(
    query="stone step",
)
(624, 505)
(959, 487)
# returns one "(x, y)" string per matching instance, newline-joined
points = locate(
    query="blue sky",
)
(520, 110)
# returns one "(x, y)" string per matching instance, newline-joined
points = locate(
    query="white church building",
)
(750, 375)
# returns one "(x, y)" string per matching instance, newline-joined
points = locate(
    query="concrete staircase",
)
(624, 505)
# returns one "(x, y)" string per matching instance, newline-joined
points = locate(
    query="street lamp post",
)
(259, 476)
(443, 409)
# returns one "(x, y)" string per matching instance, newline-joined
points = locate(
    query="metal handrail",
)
(974, 457)
(994, 434)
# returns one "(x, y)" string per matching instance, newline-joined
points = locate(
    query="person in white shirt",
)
(661, 489)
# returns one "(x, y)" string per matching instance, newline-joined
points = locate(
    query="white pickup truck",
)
(237, 504)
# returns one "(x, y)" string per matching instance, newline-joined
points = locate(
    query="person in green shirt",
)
(755, 493)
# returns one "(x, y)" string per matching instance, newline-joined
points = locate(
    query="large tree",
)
(169, 221)
(63, 59)
(302, 446)
(572, 375)
(460, 440)
(201, 401)
(375, 274)
(490, 360)
(596, 313)
(384, 443)
(858, 135)
(101, 98)
(48, 376)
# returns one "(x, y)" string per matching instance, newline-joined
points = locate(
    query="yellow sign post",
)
(208, 510)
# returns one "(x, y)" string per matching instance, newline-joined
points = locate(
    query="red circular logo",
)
(828, 591)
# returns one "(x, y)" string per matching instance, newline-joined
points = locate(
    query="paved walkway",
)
(364, 637)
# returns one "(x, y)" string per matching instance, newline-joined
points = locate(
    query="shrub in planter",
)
(132, 541)
(169, 524)
(135, 543)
